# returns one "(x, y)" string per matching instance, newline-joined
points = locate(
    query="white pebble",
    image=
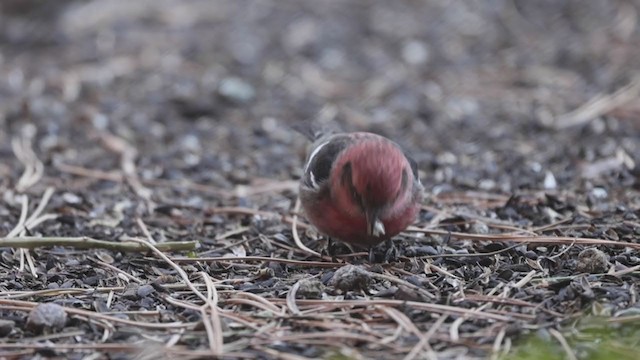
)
(550, 182)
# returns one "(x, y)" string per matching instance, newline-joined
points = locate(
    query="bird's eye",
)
(347, 181)
(356, 197)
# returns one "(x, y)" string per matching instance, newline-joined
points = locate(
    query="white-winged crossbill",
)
(360, 188)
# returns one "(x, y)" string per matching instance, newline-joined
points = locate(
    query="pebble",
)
(310, 289)
(350, 278)
(236, 90)
(145, 290)
(6, 326)
(550, 182)
(415, 52)
(593, 261)
(599, 193)
(71, 198)
(46, 317)
(478, 227)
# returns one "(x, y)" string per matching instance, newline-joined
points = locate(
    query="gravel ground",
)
(171, 122)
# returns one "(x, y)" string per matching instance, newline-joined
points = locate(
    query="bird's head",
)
(370, 178)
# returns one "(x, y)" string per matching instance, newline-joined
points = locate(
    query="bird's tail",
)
(321, 125)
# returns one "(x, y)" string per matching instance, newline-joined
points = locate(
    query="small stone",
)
(6, 326)
(191, 142)
(446, 158)
(535, 166)
(598, 126)
(71, 198)
(104, 257)
(350, 278)
(46, 317)
(327, 277)
(236, 90)
(310, 289)
(130, 291)
(486, 184)
(265, 273)
(300, 34)
(423, 250)
(592, 261)
(599, 193)
(100, 121)
(550, 182)
(479, 227)
(407, 294)
(145, 290)
(415, 52)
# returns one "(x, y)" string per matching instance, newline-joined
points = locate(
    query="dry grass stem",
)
(294, 231)
(600, 105)
(33, 242)
(563, 342)
(128, 155)
(212, 322)
(542, 240)
(33, 167)
(424, 342)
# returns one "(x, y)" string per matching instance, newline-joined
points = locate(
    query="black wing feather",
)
(414, 166)
(319, 167)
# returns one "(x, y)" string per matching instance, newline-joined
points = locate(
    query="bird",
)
(361, 189)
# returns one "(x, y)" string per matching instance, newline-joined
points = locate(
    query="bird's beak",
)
(375, 227)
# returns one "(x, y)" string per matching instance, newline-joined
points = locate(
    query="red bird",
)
(360, 188)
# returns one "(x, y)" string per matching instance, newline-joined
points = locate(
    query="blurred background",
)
(481, 92)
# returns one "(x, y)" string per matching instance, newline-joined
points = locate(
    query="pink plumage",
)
(360, 188)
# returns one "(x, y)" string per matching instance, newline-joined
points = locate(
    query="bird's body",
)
(360, 188)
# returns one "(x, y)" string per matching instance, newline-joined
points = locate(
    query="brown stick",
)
(84, 242)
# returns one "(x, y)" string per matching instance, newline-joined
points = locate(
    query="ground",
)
(154, 124)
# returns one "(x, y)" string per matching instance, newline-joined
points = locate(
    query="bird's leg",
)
(372, 255)
(447, 238)
(391, 254)
(331, 249)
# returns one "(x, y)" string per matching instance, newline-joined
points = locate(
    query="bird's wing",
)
(322, 157)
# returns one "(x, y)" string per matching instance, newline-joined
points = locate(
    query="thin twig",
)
(31, 222)
(245, 298)
(437, 308)
(33, 167)
(291, 299)
(145, 231)
(41, 206)
(294, 231)
(222, 259)
(496, 344)
(115, 176)
(563, 342)
(106, 318)
(599, 105)
(628, 270)
(214, 333)
(424, 341)
(84, 242)
(24, 211)
(128, 155)
(547, 240)
(399, 281)
(215, 339)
